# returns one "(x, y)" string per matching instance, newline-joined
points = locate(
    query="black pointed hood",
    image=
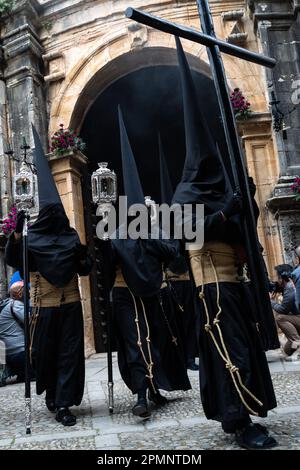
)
(166, 190)
(202, 169)
(47, 189)
(51, 241)
(132, 184)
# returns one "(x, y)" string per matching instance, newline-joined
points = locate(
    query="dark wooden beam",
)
(195, 36)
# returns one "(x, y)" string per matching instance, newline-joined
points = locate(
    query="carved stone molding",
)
(55, 65)
(234, 26)
(138, 35)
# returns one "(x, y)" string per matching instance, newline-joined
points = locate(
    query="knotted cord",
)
(149, 364)
(221, 348)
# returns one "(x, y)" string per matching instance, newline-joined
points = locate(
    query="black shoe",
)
(254, 437)
(65, 417)
(50, 403)
(140, 409)
(191, 365)
(157, 398)
(230, 427)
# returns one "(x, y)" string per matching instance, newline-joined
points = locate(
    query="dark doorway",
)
(151, 102)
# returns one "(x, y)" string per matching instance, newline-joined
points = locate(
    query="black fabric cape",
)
(141, 262)
(51, 244)
(182, 293)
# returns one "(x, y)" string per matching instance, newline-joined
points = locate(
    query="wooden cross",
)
(239, 175)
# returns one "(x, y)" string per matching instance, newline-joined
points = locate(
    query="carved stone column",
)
(23, 73)
(66, 170)
(256, 134)
(278, 26)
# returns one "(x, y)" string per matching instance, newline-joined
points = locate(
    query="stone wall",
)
(277, 24)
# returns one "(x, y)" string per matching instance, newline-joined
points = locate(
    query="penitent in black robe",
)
(205, 180)
(58, 343)
(219, 397)
(140, 262)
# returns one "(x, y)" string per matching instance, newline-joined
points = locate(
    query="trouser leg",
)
(290, 326)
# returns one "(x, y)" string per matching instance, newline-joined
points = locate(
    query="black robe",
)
(243, 341)
(58, 354)
(167, 355)
(141, 263)
(183, 295)
(58, 343)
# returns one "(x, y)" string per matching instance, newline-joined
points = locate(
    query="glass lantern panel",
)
(95, 189)
(107, 186)
(22, 186)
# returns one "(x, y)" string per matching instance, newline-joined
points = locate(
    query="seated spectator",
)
(12, 330)
(296, 276)
(286, 314)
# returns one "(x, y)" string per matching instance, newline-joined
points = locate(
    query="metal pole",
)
(196, 36)
(110, 383)
(240, 179)
(26, 326)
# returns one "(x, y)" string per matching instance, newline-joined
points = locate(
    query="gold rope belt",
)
(224, 260)
(44, 294)
(170, 276)
(210, 258)
(120, 281)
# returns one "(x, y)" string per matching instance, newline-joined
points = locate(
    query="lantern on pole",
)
(104, 188)
(104, 194)
(24, 189)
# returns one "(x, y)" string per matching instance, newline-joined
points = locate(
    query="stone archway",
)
(115, 53)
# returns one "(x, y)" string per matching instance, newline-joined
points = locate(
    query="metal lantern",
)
(104, 193)
(24, 186)
(104, 188)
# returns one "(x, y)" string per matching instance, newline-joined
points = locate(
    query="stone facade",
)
(277, 24)
(60, 55)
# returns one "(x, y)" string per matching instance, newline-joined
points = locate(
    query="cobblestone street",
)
(179, 425)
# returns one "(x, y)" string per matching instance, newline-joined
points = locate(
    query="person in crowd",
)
(150, 356)
(12, 330)
(235, 381)
(296, 276)
(286, 314)
(14, 278)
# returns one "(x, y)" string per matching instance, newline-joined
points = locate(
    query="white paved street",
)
(179, 425)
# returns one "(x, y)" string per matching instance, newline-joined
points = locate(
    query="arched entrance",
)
(146, 84)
